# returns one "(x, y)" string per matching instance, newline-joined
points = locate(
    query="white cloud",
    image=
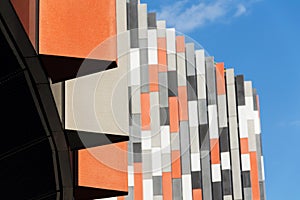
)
(185, 16)
(241, 9)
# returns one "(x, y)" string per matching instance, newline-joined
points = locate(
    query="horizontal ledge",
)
(87, 193)
(62, 68)
(81, 139)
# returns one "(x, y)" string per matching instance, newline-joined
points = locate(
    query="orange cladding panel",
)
(162, 54)
(183, 105)
(180, 47)
(254, 176)
(244, 145)
(220, 78)
(75, 28)
(104, 167)
(145, 109)
(167, 185)
(176, 164)
(197, 194)
(138, 181)
(215, 151)
(153, 78)
(174, 120)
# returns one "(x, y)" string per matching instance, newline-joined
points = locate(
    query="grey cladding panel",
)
(152, 20)
(227, 182)
(240, 90)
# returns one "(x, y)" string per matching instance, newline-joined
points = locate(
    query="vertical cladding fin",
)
(233, 134)
(210, 80)
(240, 90)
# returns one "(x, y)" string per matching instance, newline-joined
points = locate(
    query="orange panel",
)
(76, 28)
(215, 151)
(183, 105)
(174, 120)
(26, 11)
(176, 164)
(254, 176)
(145, 109)
(180, 46)
(220, 78)
(153, 78)
(244, 145)
(162, 54)
(121, 198)
(197, 194)
(138, 181)
(167, 185)
(103, 167)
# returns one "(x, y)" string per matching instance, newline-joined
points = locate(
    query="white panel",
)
(152, 47)
(165, 139)
(246, 162)
(231, 100)
(249, 107)
(135, 67)
(187, 187)
(262, 167)
(248, 89)
(121, 16)
(216, 173)
(222, 110)
(257, 123)
(201, 86)
(195, 160)
(156, 162)
(243, 122)
(213, 121)
(228, 197)
(229, 76)
(171, 38)
(234, 140)
(130, 176)
(147, 189)
(111, 198)
(193, 115)
(171, 62)
(200, 62)
(146, 140)
(181, 69)
(225, 160)
(161, 29)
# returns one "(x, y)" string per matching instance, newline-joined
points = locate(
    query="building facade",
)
(193, 125)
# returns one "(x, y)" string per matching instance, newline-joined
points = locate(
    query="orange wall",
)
(75, 28)
(104, 167)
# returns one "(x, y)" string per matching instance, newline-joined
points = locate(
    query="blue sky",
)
(260, 39)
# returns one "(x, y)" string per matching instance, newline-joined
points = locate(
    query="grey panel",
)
(185, 147)
(175, 141)
(196, 180)
(210, 81)
(144, 65)
(224, 140)
(192, 88)
(247, 194)
(204, 137)
(190, 59)
(152, 20)
(206, 175)
(164, 116)
(137, 152)
(217, 191)
(240, 90)
(172, 84)
(227, 182)
(255, 107)
(166, 162)
(147, 164)
(163, 89)
(135, 128)
(262, 190)
(130, 195)
(246, 179)
(157, 185)
(176, 189)
(202, 111)
(130, 153)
